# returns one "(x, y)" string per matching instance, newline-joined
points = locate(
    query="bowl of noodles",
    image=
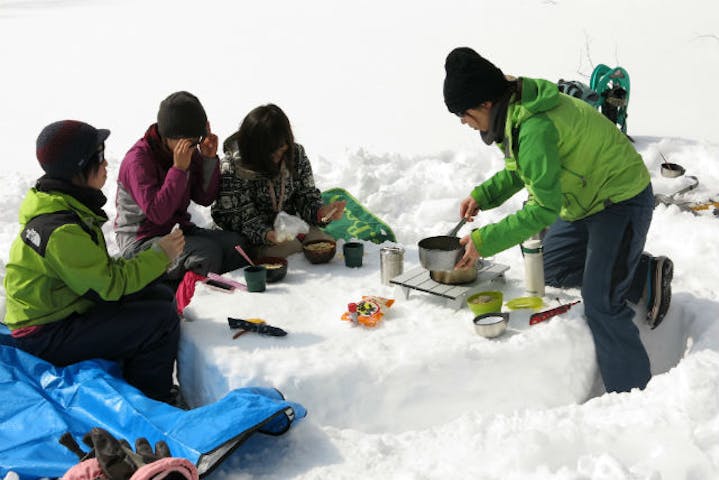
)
(319, 251)
(276, 268)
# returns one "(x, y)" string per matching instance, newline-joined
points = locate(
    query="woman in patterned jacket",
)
(265, 172)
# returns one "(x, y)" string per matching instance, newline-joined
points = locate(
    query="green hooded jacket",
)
(572, 160)
(59, 262)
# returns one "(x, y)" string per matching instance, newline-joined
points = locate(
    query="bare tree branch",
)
(586, 53)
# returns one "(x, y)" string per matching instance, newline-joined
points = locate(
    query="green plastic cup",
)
(353, 252)
(256, 278)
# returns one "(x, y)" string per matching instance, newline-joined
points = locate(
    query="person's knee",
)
(551, 276)
(171, 320)
(562, 277)
(206, 259)
(162, 317)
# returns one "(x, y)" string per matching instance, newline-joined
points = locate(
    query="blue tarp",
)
(40, 402)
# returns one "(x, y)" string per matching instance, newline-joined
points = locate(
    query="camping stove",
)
(419, 279)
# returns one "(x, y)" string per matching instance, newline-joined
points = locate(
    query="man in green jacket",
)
(68, 300)
(586, 184)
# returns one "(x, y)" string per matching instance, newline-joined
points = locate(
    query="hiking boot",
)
(659, 285)
(176, 399)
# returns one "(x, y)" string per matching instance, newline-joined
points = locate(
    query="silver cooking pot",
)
(458, 276)
(454, 277)
(440, 253)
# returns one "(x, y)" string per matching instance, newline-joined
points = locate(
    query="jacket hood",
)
(39, 203)
(538, 96)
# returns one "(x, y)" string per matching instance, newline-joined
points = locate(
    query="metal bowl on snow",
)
(490, 325)
(440, 253)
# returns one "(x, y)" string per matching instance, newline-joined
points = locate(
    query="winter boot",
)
(659, 289)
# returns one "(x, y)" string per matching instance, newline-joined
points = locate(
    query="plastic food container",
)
(485, 302)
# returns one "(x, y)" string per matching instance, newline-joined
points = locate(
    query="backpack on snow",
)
(608, 91)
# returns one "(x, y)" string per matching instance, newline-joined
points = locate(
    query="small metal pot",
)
(456, 276)
(490, 325)
(672, 170)
(440, 253)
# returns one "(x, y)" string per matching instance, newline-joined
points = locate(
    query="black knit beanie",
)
(181, 116)
(471, 80)
(64, 148)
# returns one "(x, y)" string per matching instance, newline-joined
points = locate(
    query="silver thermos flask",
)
(391, 262)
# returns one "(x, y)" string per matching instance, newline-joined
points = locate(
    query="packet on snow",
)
(368, 312)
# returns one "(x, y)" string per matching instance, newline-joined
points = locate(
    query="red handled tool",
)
(552, 312)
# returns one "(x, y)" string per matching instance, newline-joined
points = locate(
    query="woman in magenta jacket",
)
(174, 163)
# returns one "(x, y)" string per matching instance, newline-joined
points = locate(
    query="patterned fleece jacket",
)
(245, 201)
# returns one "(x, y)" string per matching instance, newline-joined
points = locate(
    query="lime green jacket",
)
(572, 160)
(59, 262)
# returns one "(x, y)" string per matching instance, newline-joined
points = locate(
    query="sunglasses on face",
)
(196, 142)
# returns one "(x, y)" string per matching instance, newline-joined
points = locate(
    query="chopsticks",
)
(242, 252)
(328, 216)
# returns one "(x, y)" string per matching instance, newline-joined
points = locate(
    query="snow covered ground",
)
(421, 396)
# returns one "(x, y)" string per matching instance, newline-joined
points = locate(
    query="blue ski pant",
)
(141, 332)
(603, 254)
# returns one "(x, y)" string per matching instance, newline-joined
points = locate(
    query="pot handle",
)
(453, 232)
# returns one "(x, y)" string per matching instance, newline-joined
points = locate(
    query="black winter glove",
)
(110, 459)
(116, 458)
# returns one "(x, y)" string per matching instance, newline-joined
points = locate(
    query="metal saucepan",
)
(669, 169)
(440, 254)
(672, 170)
(457, 276)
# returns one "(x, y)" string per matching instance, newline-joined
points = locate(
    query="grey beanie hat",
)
(181, 116)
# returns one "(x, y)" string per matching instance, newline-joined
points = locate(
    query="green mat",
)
(357, 222)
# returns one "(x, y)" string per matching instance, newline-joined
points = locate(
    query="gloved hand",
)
(116, 458)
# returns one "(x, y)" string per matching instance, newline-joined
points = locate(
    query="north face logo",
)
(33, 237)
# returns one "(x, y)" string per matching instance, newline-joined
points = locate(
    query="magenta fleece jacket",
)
(152, 195)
